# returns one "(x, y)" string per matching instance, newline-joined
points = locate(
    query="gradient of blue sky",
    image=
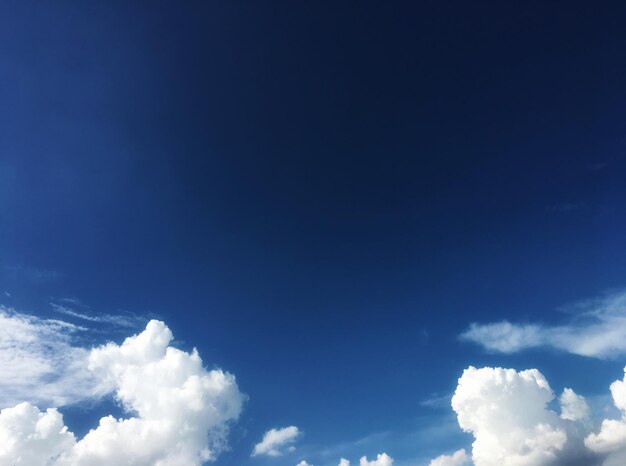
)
(321, 198)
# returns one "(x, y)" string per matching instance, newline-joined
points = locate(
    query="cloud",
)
(178, 412)
(126, 320)
(458, 458)
(31, 438)
(40, 364)
(344, 462)
(573, 407)
(303, 463)
(598, 329)
(611, 439)
(275, 441)
(506, 412)
(382, 459)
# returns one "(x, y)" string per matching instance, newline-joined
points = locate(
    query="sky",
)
(294, 233)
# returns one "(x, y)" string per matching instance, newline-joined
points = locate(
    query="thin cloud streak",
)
(596, 329)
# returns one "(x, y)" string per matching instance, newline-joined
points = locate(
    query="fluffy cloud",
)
(344, 462)
(611, 440)
(506, 412)
(180, 412)
(381, 460)
(29, 437)
(598, 329)
(458, 458)
(574, 407)
(275, 441)
(303, 463)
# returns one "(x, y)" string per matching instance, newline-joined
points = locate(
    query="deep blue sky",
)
(320, 197)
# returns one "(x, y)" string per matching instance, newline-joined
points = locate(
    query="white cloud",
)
(275, 441)
(506, 412)
(382, 459)
(39, 363)
(458, 458)
(29, 437)
(598, 329)
(574, 407)
(303, 463)
(126, 320)
(344, 462)
(611, 439)
(179, 412)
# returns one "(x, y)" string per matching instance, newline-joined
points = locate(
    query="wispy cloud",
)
(32, 274)
(595, 328)
(39, 362)
(126, 320)
(437, 401)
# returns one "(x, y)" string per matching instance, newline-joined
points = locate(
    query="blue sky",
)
(322, 199)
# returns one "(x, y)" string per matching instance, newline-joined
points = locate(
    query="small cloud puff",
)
(180, 411)
(381, 460)
(276, 441)
(574, 407)
(458, 458)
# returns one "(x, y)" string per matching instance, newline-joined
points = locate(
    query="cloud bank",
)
(178, 412)
(597, 329)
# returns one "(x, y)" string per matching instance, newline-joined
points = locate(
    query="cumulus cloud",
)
(611, 440)
(506, 412)
(382, 459)
(276, 441)
(179, 412)
(303, 463)
(29, 437)
(344, 462)
(458, 458)
(597, 329)
(574, 407)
